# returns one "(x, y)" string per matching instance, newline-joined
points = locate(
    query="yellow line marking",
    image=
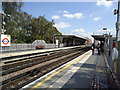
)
(40, 83)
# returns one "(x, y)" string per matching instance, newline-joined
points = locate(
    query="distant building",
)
(88, 41)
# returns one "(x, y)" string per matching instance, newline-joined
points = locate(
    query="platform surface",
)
(78, 73)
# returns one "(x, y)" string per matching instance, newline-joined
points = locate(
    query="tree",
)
(13, 9)
(24, 28)
(44, 29)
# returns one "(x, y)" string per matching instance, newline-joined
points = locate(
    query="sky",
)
(76, 18)
(0, 6)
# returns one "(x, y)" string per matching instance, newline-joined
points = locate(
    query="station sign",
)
(5, 40)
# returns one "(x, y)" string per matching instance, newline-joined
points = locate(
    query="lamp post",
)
(3, 22)
(54, 39)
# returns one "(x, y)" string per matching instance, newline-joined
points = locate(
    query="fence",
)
(17, 47)
(21, 47)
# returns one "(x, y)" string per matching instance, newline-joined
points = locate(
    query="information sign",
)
(5, 40)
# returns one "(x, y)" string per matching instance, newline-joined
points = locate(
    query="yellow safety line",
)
(40, 83)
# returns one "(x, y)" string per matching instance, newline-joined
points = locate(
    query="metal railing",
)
(23, 47)
(17, 47)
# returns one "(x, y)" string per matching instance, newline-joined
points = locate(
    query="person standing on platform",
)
(115, 58)
(93, 47)
(98, 48)
(102, 47)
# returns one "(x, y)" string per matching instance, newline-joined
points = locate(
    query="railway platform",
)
(82, 72)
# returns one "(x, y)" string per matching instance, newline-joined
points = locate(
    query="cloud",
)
(78, 30)
(64, 11)
(96, 18)
(104, 3)
(55, 17)
(62, 25)
(68, 15)
(76, 15)
(80, 33)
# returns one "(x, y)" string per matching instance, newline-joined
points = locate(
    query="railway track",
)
(19, 72)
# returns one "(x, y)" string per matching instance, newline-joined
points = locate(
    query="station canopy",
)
(100, 37)
(70, 36)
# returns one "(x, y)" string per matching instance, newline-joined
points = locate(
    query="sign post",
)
(57, 42)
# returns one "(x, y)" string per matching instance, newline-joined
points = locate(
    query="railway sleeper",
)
(34, 72)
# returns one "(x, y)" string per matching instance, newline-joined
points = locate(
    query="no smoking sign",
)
(5, 40)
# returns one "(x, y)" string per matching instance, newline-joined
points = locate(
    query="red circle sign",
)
(5, 41)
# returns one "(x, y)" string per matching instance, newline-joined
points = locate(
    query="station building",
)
(70, 40)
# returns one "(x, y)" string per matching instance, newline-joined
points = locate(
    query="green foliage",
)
(24, 28)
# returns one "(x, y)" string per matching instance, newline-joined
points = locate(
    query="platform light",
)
(104, 28)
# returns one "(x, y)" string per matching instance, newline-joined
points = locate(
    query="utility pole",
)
(118, 39)
(118, 36)
(3, 23)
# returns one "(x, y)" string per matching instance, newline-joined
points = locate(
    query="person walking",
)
(93, 47)
(98, 48)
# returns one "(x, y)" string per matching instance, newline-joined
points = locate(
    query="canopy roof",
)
(70, 36)
(100, 37)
